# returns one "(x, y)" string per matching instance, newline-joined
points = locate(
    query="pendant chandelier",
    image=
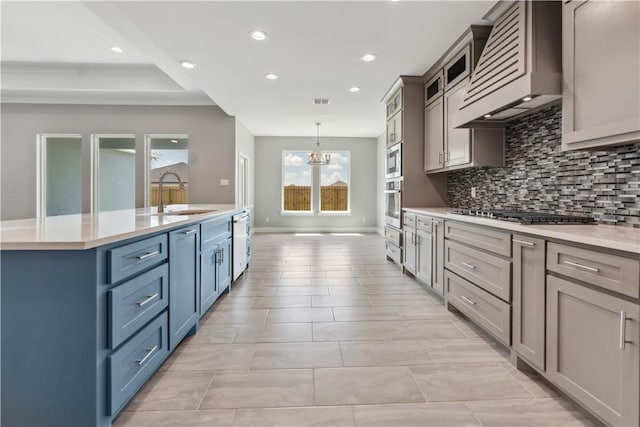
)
(316, 157)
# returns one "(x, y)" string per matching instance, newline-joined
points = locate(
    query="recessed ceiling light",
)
(527, 98)
(175, 141)
(486, 116)
(354, 89)
(258, 35)
(368, 57)
(116, 49)
(271, 76)
(187, 64)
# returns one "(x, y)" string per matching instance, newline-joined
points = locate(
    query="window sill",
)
(335, 213)
(296, 213)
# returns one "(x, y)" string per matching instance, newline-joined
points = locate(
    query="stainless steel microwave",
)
(393, 164)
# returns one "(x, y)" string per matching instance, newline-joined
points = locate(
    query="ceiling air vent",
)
(321, 101)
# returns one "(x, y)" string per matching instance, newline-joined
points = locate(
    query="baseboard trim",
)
(316, 230)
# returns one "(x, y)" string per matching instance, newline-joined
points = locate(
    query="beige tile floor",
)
(323, 331)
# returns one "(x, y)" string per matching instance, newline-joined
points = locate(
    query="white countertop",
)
(620, 238)
(84, 231)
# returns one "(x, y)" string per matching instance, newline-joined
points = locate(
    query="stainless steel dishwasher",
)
(240, 243)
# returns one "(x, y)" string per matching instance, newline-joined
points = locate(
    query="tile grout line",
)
(206, 391)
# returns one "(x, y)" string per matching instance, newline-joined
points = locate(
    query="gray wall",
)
(211, 146)
(381, 159)
(538, 176)
(268, 193)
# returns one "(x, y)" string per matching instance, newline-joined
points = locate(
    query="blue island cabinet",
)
(215, 261)
(83, 330)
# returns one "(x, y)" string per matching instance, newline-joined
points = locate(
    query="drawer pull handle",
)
(471, 266)
(148, 255)
(524, 242)
(468, 300)
(623, 330)
(186, 233)
(150, 351)
(147, 300)
(586, 267)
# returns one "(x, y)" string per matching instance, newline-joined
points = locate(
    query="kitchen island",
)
(92, 305)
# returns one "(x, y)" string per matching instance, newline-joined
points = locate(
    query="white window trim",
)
(336, 213)
(41, 169)
(284, 212)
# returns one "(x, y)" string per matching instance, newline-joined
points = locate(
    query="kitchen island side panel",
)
(52, 321)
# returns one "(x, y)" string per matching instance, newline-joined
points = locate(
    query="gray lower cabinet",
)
(529, 299)
(184, 292)
(593, 343)
(424, 267)
(410, 250)
(438, 256)
(601, 65)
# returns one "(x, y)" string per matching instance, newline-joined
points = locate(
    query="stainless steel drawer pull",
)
(150, 351)
(623, 330)
(190, 232)
(147, 300)
(586, 267)
(468, 300)
(471, 266)
(524, 242)
(148, 255)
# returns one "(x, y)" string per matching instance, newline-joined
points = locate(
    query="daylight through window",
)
(334, 183)
(296, 182)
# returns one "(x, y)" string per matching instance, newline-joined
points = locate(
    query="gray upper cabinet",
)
(394, 129)
(445, 146)
(593, 350)
(394, 104)
(601, 65)
(434, 135)
(529, 299)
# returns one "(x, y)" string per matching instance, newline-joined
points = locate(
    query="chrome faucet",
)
(162, 177)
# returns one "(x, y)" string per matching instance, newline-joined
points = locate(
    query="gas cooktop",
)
(525, 217)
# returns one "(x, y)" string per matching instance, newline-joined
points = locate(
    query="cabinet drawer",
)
(424, 223)
(137, 301)
(132, 364)
(613, 272)
(491, 273)
(133, 258)
(393, 252)
(486, 310)
(479, 236)
(392, 235)
(212, 231)
(409, 220)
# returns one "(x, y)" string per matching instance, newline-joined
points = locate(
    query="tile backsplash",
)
(538, 176)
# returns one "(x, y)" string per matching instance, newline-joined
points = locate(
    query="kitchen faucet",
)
(162, 177)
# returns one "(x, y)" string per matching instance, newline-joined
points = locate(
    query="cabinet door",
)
(587, 355)
(438, 256)
(208, 278)
(529, 299)
(601, 65)
(184, 294)
(409, 253)
(224, 265)
(433, 135)
(457, 141)
(424, 265)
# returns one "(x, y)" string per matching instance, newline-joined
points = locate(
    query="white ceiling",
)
(313, 46)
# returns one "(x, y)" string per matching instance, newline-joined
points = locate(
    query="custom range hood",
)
(520, 68)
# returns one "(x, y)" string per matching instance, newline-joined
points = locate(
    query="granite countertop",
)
(619, 238)
(84, 231)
